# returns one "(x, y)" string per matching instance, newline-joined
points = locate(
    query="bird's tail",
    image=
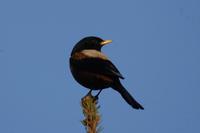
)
(127, 96)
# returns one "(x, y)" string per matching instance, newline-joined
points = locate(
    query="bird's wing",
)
(97, 62)
(111, 67)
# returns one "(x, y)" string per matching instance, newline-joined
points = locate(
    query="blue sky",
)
(155, 46)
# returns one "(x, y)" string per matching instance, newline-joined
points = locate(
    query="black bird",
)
(93, 70)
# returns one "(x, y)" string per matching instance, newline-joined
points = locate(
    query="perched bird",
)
(93, 70)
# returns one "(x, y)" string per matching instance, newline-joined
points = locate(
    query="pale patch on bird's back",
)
(94, 54)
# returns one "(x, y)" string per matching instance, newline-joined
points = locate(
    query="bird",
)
(92, 69)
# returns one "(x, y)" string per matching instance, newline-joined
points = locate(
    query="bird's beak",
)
(105, 42)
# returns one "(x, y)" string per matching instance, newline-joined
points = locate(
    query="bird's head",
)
(87, 43)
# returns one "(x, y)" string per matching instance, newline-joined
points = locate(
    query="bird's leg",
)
(97, 96)
(89, 93)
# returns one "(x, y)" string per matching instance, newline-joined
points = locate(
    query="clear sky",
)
(156, 46)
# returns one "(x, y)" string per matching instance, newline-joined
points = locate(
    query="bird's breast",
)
(88, 78)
